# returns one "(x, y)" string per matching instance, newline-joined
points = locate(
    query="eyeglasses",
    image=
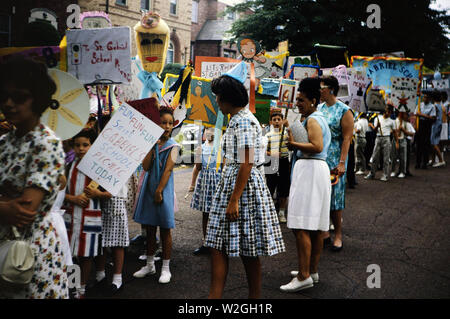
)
(324, 87)
(17, 96)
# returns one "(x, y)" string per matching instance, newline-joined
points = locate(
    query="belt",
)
(311, 158)
(383, 136)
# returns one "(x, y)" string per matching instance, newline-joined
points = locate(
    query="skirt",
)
(257, 231)
(309, 196)
(115, 223)
(436, 134)
(444, 131)
(204, 190)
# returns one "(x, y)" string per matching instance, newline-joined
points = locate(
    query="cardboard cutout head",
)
(152, 40)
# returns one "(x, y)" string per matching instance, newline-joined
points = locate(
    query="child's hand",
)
(158, 197)
(81, 201)
(92, 192)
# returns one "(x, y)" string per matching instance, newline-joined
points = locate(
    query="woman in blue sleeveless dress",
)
(310, 192)
(340, 121)
(156, 202)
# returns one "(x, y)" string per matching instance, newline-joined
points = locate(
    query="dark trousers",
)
(423, 142)
(408, 154)
(351, 165)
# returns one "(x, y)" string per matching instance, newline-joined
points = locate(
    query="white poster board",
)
(340, 73)
(94, 54)
(404, 93)
(120, 148)
(301, 72)
(358, 83)
(440, 84)
(211, 70)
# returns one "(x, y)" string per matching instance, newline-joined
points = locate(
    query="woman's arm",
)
(195, 172)
(170, 164)
(347, 134)
(21, 211)
(96, 193)
(315, 138)
(245, 168)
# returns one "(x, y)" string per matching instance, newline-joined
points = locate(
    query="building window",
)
(173, 7)
(121, 2)
(146, 5)
(195, 11)
(170, 53)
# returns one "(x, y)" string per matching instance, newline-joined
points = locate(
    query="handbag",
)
(299, 132)
(16, 260)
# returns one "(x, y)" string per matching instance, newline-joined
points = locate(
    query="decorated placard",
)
(212, 67)
(358, 83)
(286, 93)
(340, 73)
(99, 54)
(440, 84)
(120, 148)
(404, 93)
(300, 72)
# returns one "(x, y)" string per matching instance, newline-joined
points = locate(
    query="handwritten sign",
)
(120, 148)
(301, 72)
(286, 93)
(358, 83)
(95, 54)
(404, 93)
(213, 67)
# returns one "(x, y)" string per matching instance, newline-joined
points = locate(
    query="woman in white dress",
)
(310, 192)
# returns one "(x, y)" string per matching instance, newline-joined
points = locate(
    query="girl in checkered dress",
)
(242, 220)
(205, 178)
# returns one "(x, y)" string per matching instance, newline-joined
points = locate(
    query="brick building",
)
(209, 26)
(176, 13)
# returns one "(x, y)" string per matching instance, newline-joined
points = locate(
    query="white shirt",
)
(400, 133)
(427, 109)
(387, 125)
(363, 126)
(410, 129)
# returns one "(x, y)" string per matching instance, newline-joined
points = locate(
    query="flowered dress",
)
(207, 180)
(334, 115)
(257, 230)
(36, 160)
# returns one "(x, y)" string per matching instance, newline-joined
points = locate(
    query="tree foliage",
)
(409, 26)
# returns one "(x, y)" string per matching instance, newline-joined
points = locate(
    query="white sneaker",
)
(144, 271)
(359, 172)
(401, 175)
(297, 285)
(383, 178)
(392, 174)
(439, 164)
(165, 277)
(281, 217)
(314, 276)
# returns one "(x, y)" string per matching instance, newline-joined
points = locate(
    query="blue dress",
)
(334, 115)
(437, 126)
(207, 180)
(147, 212)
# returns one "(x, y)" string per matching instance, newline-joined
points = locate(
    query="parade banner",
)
(440, 84)
(120, 148)
(358, 83)
(404, 93)
(99, 54)
(381, 69)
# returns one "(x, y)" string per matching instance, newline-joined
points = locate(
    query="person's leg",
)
(363, 156)
(118, 254)
(303, 243)
(166, 238)
(219, 271)
(408, 156)
(252, 267)
(336, 217)
(85, 268)
(386, 149)
(316, 250)
(151, 240)
(205, 218)
(100, 264)
(375, 157)
(149, 268)
(403, 155)
(359, 156)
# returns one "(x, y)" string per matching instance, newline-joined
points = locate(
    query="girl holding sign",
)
(156, 202)
(83, 216)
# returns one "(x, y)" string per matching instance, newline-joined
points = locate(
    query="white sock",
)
(117, 280)
(282, 211)
(99, 275)
(165, 265)
(150, 261)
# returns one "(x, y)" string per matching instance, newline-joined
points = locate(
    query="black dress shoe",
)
(327, 242)
(202, 250)
(114, 289)
(138, 240)
(336, 248)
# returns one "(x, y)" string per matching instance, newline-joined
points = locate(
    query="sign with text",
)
(300, 72)
(120, 148)
(404, 93)
(99, 54)
(358, 83)
(213, 67)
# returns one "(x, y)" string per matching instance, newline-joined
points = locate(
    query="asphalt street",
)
(401, 226)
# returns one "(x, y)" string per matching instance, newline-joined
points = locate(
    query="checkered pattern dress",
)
(115, 222)
(207, 180)
(257, 230)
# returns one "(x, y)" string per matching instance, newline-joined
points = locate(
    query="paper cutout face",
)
(152, 40)
(94, 19)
